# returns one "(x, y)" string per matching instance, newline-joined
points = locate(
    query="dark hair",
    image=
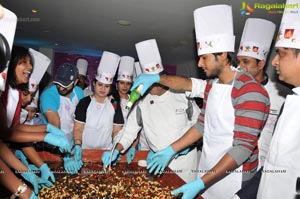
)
(296, 51)
(17, 54)
(231, 58)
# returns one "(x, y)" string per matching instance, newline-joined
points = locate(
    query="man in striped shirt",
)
(235, 109)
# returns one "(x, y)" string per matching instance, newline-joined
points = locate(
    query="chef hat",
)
(8, 25)
(214, 29)
(82, 65)
(149, 56)
(40, 65)
(137, 69)
(107, 67)
(257, 38)
(23, 115)
(289, 31)
(35, 99)
(125, 72)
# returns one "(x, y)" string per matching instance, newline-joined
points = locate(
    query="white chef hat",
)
(82, 65)
(35, 99)
(137, 69)
(214, 29)
(288, 35)
(40, 65)
(149, 56)
(8, 25)
(23, 115)
(125, 72)
(257, 38)
(107, 67)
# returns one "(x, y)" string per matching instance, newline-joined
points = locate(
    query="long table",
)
(93, 157)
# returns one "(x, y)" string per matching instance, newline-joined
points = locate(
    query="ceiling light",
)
(34, 11)
(124, 22)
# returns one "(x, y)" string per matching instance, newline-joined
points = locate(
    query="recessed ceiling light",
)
(123, 22)
(34, 11)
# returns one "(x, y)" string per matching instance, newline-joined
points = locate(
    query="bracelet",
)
(21, 189)
(78, 142)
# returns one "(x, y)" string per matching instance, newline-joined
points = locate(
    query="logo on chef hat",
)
(153, 68)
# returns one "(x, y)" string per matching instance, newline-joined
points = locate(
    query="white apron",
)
(12, 103)
(218, 139)
(265, 138)
(282, 166)
(66, 114)
(97, 132)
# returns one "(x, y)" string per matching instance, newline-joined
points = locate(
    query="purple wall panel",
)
(93, 62)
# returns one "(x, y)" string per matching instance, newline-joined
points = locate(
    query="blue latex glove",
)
(118, 160)
(72, 166)
(147, 80)
(32, 167)
(20, 155)
(36, 181)
(149, 156)
(46, 173)
(77, 152)
(53, 129)
(190, 190)
(160, 160)
(57, 140)
(33, 196)
(183, 152)
(106, 157)
(130, 155)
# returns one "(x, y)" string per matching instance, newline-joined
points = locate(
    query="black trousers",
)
(249, 191)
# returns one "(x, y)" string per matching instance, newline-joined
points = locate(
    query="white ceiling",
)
(90, 26)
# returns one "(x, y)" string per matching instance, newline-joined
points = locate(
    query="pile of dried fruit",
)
(113, 184)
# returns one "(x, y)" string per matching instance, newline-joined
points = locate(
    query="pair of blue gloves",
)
(109, 157)
(46, 173)
(73, 165)
(161, 159)
(57, 137)
(116, 156)
(157, 161)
